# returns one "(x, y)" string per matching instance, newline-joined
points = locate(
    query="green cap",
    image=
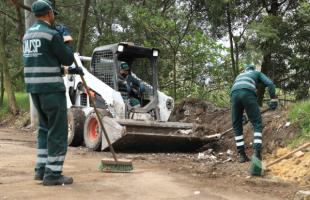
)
(124, 66)
(249, 67)
(41, 8)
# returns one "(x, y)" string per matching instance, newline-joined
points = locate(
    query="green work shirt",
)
(250, 79)
(44, 51)
(127, 83)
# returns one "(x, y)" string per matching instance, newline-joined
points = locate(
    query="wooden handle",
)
(97, 113)
(288, 154)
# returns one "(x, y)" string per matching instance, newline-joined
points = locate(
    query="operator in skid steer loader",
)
(130, 87)
(45, 48)
(243, 97)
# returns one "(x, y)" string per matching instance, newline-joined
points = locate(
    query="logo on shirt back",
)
(31, 48)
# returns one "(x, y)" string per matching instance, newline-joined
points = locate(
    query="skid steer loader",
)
(144, 128)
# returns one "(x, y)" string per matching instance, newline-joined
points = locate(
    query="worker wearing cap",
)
(44, 51)
(129, 86)
(243, 97)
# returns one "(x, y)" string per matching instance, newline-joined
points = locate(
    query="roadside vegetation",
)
(299, 114)
(22, 100)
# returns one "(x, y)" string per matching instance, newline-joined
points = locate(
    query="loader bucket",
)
(152, 136)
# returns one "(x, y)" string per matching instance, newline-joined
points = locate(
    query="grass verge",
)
(22, 100)
(299, 114)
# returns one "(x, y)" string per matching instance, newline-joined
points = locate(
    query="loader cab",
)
(105, 65)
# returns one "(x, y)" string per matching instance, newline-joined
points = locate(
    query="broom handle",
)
(97, 113)
(288, 154)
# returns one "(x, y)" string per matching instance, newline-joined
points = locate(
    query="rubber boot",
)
(62, 180)
(38, 177)
(242, 156)
(257, 154)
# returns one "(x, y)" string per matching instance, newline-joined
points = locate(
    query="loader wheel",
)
(76, 119)
(92, 130)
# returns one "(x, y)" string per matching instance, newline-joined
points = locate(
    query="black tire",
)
(92, 130)
(76, 119)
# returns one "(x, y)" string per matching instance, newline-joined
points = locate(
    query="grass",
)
(22, 100)
(299, 114)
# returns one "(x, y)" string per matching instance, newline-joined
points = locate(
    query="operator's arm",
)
(267, 82)
(135, 81)
(62, 51)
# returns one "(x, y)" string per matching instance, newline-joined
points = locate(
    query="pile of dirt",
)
(293, 169)
(202, 113)
(278, 130)
(19, 121)
(210, 119)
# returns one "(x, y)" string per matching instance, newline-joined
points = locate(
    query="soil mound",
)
(211, 119)
(277, 131)
(19, 121)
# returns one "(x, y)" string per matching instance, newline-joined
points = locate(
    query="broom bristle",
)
(120, 166)
(256, 166)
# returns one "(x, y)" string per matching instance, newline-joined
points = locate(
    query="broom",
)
(106, 165)
(256, 168)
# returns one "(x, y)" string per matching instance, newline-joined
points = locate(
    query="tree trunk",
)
(233, 65)
(20, 28)
(29, 17)
(237, 56)
(29, 20)
(13, 108)
(264, 69)
(2, 87)
(267, 63)
(83, 26)
(174, 76)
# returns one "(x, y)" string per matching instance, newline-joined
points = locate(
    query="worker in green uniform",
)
(243, 97)
(45, 49)
(130, 87)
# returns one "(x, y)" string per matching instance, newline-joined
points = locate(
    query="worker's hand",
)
(273, 104)
(141, 88)
(64, 32)
(75, 70)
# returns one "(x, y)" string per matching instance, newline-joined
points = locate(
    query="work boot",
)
(62, 180)
(257, 154)
(243, 157)
(38, 177)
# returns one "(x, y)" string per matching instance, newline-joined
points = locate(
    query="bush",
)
(299, 114)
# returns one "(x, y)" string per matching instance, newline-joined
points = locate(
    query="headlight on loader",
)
(120, 48)
(155, 52)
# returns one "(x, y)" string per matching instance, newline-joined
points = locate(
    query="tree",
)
(9, 69)
(83, 26)
(29, 20)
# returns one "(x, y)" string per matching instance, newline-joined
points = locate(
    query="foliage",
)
(299, 114)
(283, 37)
(192, 63)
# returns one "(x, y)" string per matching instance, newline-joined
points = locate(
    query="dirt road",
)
(156, 176)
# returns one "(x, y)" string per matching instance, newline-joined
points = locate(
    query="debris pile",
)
(293, 169)
(277, 131)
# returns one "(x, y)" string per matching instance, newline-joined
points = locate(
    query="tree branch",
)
(9, 16)
(21, 5)
(254, 16)
(71, 5)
